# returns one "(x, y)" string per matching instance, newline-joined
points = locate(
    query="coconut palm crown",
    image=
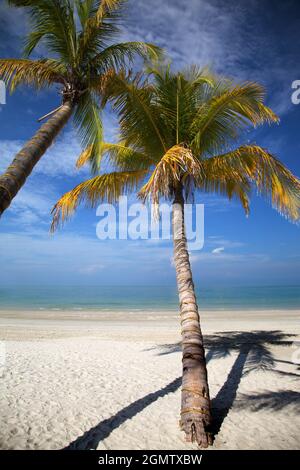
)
(176, 137)
(78, 36)
(179, 129)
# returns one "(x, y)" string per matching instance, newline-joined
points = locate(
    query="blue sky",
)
(247, 40)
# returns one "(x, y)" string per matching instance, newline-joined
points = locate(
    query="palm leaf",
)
(39, 73)
(168, 173)
(177, 100)
(101, 26)
(122, 158)
(230, 109)
(53, 22)
(271, 177)
(141, 125)
(230, 184)
(108, 6)
(126, 158)
(117, 56)
(107, 187)
(89, 124)
(85, 10)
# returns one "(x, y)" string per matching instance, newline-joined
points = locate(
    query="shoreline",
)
(143, 309)
(77, 313)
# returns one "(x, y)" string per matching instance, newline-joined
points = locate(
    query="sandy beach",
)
(111, 380)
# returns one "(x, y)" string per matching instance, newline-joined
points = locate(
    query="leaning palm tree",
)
(176, 134)
(78, 35)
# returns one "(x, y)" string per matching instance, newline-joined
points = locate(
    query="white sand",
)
(108, 380)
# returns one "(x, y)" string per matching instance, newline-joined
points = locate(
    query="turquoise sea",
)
(145, 298)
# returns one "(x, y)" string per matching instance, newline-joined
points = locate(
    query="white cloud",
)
(59, 160)
(218, 34)
(217, 240)
(196, 33)
(216, 203)
(38, 253)
(31, 207)
(230, 36)
(36, 256)
(204, 32)
(229, 258)
(37, 199)
(216, 251)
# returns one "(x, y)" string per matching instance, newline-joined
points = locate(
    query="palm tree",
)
(176, 130)
(78, 35)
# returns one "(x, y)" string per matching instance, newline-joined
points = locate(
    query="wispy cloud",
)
(219, 34)
(217, 240)
(31, 208)
(230, 258)
(234, 40)
(38, 257)
(198, 32)
(58, 161)
(217, 251)
(61, 157)
(231, 37)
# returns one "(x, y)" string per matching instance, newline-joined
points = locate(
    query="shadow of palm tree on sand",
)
(253, 353)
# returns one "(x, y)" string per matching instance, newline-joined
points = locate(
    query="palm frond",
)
(199, 76)
(84, 157)
(108, 6)
(53, 22)
(230, 185)
(272, 179)
(177, 98)
(122, 158)
(169, 172)
(107, 187)
(85, 10)
(117, 56)
(141, 125)
(99, 83)
(101, 26)
(39, 73)
(126, 158)
(228, 110)
(89, 124)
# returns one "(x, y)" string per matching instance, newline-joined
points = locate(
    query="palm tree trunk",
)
(16, 174)
(195, 401)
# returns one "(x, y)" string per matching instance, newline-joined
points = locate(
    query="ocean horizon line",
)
(150, 298)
